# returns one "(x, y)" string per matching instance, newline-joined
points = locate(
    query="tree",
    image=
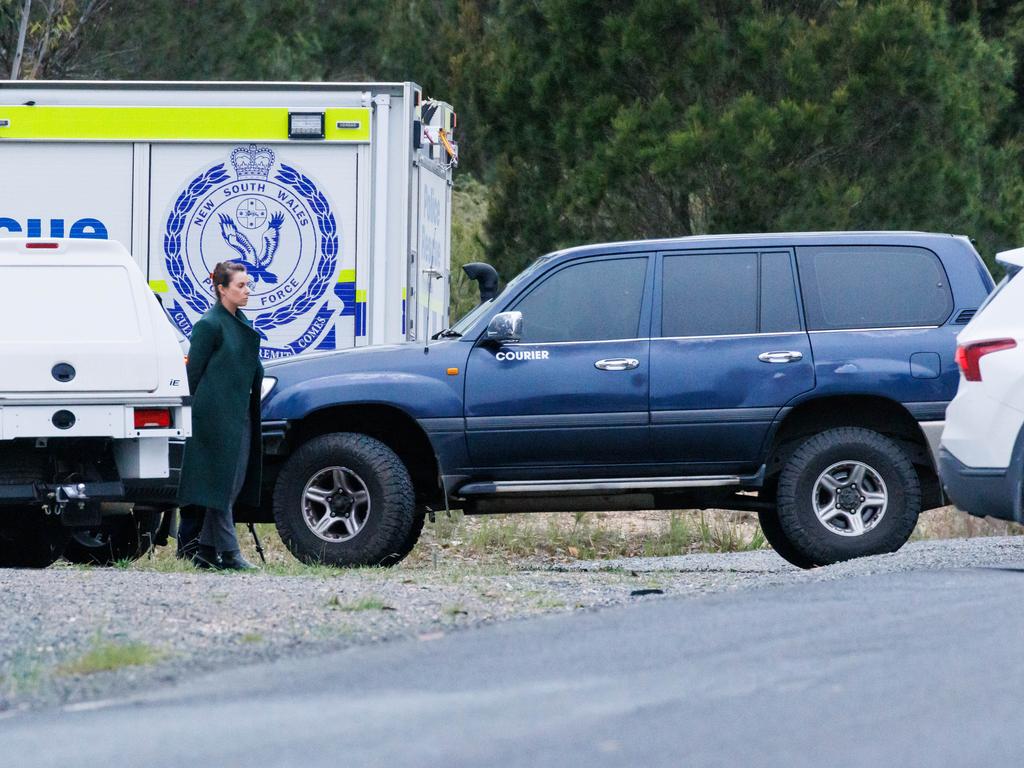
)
(391, 40)
(44, 38)
(677, 117)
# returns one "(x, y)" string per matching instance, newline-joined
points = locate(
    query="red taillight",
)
(42, 245)
(969, 357)
(152, 418)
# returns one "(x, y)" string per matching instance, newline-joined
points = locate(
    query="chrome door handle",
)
(617, 364)
(780, 357)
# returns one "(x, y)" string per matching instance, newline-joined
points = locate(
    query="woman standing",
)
(223, 458)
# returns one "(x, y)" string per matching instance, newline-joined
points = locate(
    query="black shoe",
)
(206, 558)
(233, 561)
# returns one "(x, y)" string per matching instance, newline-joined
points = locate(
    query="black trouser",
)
(190, 523)
(219, 524)
(193, 519)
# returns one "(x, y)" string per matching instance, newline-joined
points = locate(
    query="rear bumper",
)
(88, 419)
(984, 491)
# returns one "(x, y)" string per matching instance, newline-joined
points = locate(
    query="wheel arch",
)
(392, 426)
(881, 414)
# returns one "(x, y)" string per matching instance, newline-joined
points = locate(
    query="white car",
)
(981, 455)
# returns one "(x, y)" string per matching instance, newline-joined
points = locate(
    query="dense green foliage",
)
(675, 117)
(597, 119)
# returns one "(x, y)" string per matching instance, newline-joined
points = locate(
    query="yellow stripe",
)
(170, 123)
(360, 297)
(160, 286)
(403, 293)
(348, 115)
(347, 276)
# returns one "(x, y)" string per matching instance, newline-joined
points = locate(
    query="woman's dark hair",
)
(222, 274)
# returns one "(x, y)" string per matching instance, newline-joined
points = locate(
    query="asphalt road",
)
(920, 668)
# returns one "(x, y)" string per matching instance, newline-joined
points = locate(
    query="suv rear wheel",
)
(345, 499)
(845, 493)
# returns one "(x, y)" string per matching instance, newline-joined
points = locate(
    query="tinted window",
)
(585, 302)
(779, 309)
(709, 294)
(872, 287)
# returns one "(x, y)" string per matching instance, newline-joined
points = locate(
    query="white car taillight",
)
(968, 357)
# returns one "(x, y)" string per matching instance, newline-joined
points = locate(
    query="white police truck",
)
(92, 389)
(335, 196)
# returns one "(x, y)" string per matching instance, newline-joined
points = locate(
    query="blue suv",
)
(802, 376)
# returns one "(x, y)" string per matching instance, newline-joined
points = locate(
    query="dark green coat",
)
(224, 377)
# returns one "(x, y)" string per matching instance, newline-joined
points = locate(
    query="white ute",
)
(92, 388)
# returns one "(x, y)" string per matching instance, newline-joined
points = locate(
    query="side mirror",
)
(505, 327)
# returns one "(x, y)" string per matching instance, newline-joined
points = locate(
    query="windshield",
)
(470, 317)
(474, 314)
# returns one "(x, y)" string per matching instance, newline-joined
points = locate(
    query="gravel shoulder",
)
(191, 623)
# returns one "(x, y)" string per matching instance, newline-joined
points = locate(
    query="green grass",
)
(106, 655)
(583, 536)
(678, 537)
(369, 603)
(460, 546)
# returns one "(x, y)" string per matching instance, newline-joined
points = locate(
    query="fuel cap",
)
(63, 372)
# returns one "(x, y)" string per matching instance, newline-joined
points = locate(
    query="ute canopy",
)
(75, 317)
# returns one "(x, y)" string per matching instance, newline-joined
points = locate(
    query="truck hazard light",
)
(306, 125)
(42, 246)
(152, 418)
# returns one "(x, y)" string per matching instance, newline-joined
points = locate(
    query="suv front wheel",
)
(345, 499)
(846, 493)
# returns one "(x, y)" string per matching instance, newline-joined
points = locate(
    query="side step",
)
(626, 485)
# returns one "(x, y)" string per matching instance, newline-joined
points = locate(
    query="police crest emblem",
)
(274, 220)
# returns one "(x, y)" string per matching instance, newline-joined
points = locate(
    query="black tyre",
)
(29, 538)
(410, 541)
(345, 499)
(120, 538)
(846, 493)
(773, 533)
